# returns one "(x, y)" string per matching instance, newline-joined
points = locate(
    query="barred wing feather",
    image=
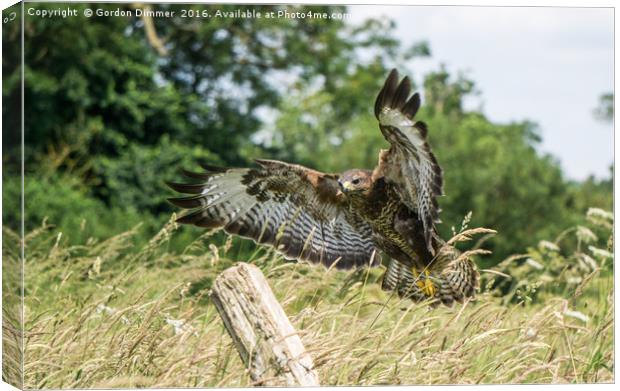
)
(293, 208)
(409, 163)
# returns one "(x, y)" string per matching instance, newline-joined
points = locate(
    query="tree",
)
(116, 105)
(105, 106)
(493, 170)
(605, 109)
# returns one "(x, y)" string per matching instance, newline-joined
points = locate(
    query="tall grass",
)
(105, 315)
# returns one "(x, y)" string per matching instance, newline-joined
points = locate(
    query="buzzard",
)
(346, 220)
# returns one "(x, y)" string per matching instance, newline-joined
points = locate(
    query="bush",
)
(135, 179)
(62, 201)
(563, 266)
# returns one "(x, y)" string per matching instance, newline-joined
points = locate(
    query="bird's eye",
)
(356, 181)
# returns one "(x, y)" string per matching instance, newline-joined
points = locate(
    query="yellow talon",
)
(427, 285)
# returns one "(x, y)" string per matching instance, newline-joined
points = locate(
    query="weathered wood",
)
(263, 335)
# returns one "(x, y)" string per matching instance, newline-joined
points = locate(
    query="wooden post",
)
(263, 335)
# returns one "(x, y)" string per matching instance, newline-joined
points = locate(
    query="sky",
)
(546, 65)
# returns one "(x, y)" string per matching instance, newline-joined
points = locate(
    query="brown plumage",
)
(346, 220)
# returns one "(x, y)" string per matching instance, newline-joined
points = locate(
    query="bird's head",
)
(355, 181)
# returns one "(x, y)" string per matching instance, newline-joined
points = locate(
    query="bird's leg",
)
(425, 285)
(430, 289)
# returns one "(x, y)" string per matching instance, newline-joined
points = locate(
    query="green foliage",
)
(563, 266)
(111, 115)
(135, 178)
(91, 78)
(109, 109)
(494, 170)
(64, 202)
(444, 96)
(605, 109)
(102, 83)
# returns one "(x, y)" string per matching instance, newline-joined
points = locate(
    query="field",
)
(107, 314)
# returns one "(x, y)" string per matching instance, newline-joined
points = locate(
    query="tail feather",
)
(458, 280)
(399, 277)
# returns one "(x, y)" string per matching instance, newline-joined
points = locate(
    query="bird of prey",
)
(346, 220)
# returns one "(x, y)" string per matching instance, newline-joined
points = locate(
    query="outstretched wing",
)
(409, 163)
(297, 210)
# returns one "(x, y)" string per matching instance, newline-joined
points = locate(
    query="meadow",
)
(108, 314)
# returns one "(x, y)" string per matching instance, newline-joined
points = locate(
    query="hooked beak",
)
(345, 186)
